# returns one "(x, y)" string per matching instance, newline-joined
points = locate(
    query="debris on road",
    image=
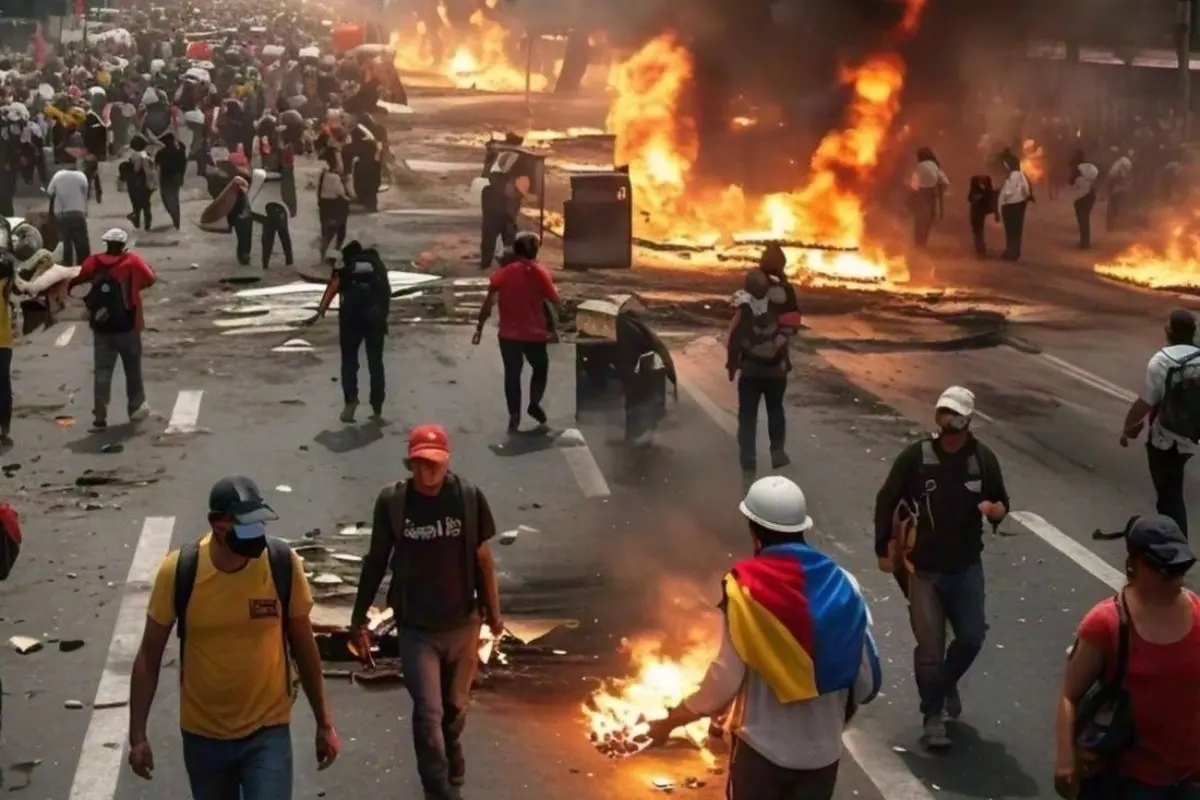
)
(74, 705)
(25, 644)
(70, 645)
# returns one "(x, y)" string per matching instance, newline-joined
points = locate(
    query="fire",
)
(619, 712)
(474, 57)
(659, 142)
(1033, 161)
(1174, 265)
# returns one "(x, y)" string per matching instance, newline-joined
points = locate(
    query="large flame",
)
(474, 57)
(1172, 264)
(659, 142)
(1033, 161)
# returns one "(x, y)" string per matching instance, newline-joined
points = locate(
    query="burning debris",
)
(1175, 264)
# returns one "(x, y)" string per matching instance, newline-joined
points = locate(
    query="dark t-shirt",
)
(438, 593)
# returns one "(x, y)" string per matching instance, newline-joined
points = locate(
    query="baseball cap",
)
(115, 235)
(957, 399)
(1160, 540)
(429, 443)
(238, 497)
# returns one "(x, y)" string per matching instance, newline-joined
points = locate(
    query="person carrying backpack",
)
(240, 605)
(364, 300)
(114, 310)
(1171, 404)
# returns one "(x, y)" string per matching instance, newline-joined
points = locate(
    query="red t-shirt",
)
(521, 287)
(128, 268)
(1164, 690)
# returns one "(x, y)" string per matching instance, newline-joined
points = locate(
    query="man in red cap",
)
(433, 531)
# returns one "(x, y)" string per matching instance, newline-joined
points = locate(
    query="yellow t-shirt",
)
(6, 331)
(233, 680)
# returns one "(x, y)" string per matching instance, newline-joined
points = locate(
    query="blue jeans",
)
(258, 767)
(934, 600)
(439, 667)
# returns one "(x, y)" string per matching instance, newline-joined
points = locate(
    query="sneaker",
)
(98, 426)
(140, 413)
(348, 412)
(377, 412)
(953, 706)
(538, 414)
(514, 423)
(934, 734)
(779, 459)
(458, 780)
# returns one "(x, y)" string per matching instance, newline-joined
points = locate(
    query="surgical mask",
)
(247, 541)
(956, 424)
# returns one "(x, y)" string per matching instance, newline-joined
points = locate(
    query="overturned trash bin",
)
(621, 366)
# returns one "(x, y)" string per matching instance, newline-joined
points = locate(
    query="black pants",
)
(91, 169)
(170, 187)
(6, 390)
(924, 213)
(753, 777)
(645, 402)
(439, 668)
(8, 189)
(1083, 218)
(275, 224)
(243, 231)
(514, 354)
(495, 224)
(1166, 473)
(978, 219)
(1013, 216)
(139, 198)
(353, 334)
(73, 230)
(751, 391)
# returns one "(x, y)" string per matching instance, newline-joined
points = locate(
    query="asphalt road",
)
(621, 542)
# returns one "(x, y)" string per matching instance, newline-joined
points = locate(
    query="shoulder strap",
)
(279, 556)
(1123, 627)
(470, 501)
(928, 454)
(396, 513)
(185, 580)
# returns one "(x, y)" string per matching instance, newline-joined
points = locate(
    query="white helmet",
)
(778, 505)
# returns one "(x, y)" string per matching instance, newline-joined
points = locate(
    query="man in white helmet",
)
(941, 487)
(797, 656)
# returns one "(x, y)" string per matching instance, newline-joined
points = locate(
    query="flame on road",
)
(1174, 264)
(1033, 161)
(658, 140)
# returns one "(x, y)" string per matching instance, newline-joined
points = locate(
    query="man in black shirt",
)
(433, 530)
(946, 485)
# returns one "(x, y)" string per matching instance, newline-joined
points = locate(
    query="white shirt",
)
(1085, 180)
(1156, 389)
(1119, 174)
(1015, 189)
(69, 188)
(927, 175)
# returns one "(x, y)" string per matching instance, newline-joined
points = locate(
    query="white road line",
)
(1082, 556)
(186, 412)
(587, 472)
(99, 767)
(1083, 376)
(725, 420)
(65, 337)
(883, 767)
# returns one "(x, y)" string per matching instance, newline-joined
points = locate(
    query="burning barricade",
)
(1173, 263)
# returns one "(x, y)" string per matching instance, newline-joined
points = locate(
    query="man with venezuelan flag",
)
(797, 656)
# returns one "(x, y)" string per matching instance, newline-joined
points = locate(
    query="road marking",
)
(725, 420)
(583, 464)
(186, 412)
(1082, 556)
(99, 767)
(1083, 376)
(885, 769)
(65, 337)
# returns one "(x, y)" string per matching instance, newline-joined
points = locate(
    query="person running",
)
(240, 604)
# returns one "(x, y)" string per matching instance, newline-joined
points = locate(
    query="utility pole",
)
(1185, 65)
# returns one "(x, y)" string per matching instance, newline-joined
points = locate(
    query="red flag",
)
(39, 47)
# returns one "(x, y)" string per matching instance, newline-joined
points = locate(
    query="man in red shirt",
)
(114, 309)
(522, 288)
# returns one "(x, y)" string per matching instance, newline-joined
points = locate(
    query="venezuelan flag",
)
(799, 620)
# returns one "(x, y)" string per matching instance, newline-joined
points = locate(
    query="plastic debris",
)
(25, 644)
(327, 579)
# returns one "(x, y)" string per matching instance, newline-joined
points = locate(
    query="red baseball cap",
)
(429, 443)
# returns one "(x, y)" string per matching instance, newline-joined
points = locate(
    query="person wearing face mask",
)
(1135, 658)
(786, 605)
(433, 530)
(240, 604)
(944, 486)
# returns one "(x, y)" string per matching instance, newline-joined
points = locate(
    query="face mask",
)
(955, 424)
(247, 541)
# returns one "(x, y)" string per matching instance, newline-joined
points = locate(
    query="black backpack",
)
(1179, 411)
(361, 288)
(106, 303)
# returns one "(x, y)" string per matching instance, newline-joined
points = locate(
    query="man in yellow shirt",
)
(242, 604)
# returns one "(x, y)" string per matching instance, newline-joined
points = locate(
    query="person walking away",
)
(766, 316)
(787, 604)
(500, 202)
(333, 202)
(117, 279)
(7, 338)
(1015, 196)
(1170, 403)
(928, 184)
(949, 484)
(95, 143)
(172, 161)
(68, 192)
(1083, 186)
(1144, 643)
(1120, 182)
(364, 300)
(645, 365)
(981, 200)
(432, 530)
(239, 603)
(139, 175)
(523, 290)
